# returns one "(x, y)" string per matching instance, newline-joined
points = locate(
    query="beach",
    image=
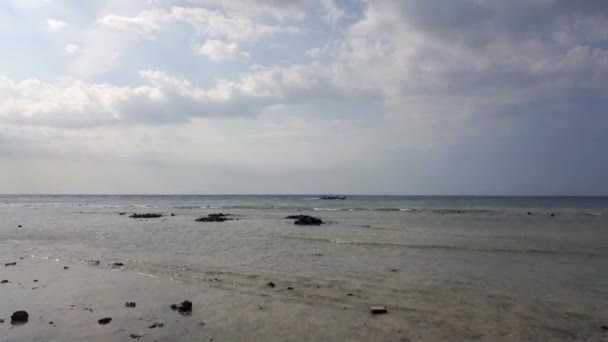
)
(444, 269)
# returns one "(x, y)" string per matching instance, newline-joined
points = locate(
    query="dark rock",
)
(604, 327)
(221, 217)
(51, 322)
(394, 270)
(147, 215)
(289, 288)
(105, 320)
(172, 214)
(528, 213)
(19, 317)
(306, 220)
(19, 226)
(4, 281)
(350, 294)
(1, 320)
(11, 263)
(35, 280)
(118, 264)
(136, 336)
(21, 258)
(270, 284)
(122, 213)
(130, 304)
(552, 215)
(94, 262)
(378, 310)
(66, 268)
(156, 325)
(185, 308)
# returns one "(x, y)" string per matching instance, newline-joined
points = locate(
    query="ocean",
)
(472, 267)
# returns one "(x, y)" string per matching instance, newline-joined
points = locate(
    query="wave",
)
(444, 247)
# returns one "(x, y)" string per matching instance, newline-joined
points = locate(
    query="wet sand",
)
(74, 299)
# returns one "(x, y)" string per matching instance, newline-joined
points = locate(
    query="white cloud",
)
(333, 13)
(160, 98)
(217, 50)
(144, 22)
(71, 49)
(212, 23)
(56, 25)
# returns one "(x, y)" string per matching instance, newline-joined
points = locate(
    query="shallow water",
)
(470, 267)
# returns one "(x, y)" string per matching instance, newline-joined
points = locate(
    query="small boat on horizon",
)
(333, 197)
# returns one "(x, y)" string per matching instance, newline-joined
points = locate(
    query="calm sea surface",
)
(469, 264)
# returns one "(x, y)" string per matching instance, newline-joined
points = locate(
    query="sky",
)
(413, 97)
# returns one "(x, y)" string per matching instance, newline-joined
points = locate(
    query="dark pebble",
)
(118, 264)
(51, 322)
(172, 214)
(289, 288)
(4, 281)
(271, 284)
(130, 304)
(11, 263)
(19, 226)
(604, 327)
(136, 336)
(35, 280)
(173, 306)
(19, 317)
(156, 325)
(66, 268)
(378, 310)
(350, 294)
(105, 320)
(394, 270)
(1, 320)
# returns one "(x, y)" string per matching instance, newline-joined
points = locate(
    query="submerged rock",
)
(122, 213)
(105, 320)
(19, 317)
(185, 308)
(147, 215)
(305, 220)
(220, 217)
(378, 310)
(130, 304)
(156, 325)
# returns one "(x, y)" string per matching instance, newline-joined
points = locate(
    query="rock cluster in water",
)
(146, 215)
(185, 308)
(220, 217)
(305, 220)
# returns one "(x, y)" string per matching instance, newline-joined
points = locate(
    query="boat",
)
(333, 197)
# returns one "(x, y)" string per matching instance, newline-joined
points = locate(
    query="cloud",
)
(160, 99)
(71, 49)
(211, 23)
(56, 25)
(217, 50)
